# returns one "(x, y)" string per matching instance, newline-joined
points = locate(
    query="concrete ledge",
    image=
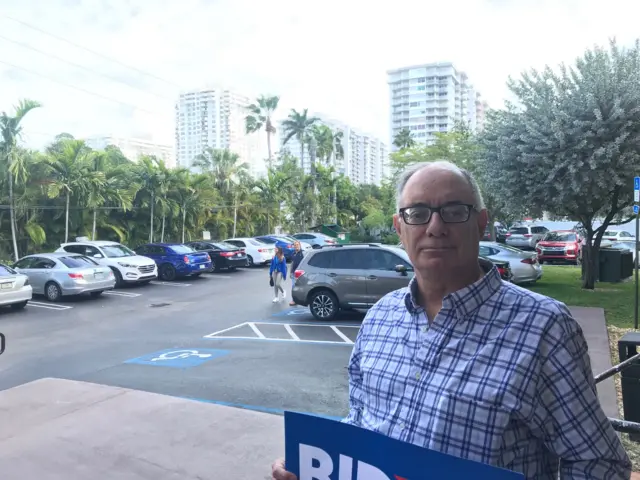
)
(63, 429)
(594, 327)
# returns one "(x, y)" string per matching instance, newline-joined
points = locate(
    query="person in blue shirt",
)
(278, 274)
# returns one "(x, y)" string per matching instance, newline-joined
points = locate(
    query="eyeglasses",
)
(421, 215)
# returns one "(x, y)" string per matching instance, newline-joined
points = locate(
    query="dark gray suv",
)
(349, 276)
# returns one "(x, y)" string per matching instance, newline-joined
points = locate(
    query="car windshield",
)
(509, 248)
(5, 271)
(79, 261)
(519, 230)
(268, 241)
(182, 249)
(117, 251)
(283, 239)
(255, 242)
(560, 237)
(611, 233)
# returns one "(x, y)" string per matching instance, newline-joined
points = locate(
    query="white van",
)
(127, 265)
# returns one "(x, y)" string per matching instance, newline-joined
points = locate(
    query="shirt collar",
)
(467, 299)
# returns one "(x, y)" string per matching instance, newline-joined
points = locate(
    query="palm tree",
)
(72, 174)
(404, 139)
(224, 167)
(338, 154)
(152, 180)
(10, 129)
(298, 124)
(261, 114)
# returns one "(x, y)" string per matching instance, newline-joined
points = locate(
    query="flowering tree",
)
(571, 144)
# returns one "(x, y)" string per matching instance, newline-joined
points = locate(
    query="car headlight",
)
(126, 265)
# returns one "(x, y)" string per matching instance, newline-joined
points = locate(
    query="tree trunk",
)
(12, 219)
(153, 201)
(66, 219)
(93, 230)
(235, 215)
(269, 162)
(164, 217)
(335, 204)
(184, 220)
(590, 265)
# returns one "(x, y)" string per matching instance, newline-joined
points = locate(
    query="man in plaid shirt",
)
(466, 364)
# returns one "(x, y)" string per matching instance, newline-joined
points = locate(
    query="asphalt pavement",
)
(217, 338)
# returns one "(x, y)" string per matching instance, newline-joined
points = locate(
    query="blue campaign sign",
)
(323, 449)
(179, 357)
(636, 183)
(636, 209)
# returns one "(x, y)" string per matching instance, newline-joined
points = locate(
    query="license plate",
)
(201, 267)
(6, 286)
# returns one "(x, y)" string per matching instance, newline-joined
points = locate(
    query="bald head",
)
(426, 171)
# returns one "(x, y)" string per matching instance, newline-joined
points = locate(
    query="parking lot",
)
(217, 338)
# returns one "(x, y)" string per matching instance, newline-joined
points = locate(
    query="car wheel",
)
(96, 294)
(250, 261)
(118, 277)
(214, 266)
(52, 292)
(232, 269)
(323, 305)
(167, 272)
(19, 306)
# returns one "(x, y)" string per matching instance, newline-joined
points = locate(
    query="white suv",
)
(127, 266)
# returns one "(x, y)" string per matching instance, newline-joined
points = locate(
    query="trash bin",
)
(610, 265)
(626, 269)
(628, 346)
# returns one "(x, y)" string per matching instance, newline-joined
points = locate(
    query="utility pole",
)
(636, 200)
(235, 213)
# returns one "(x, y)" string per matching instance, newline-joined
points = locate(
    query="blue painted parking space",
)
(178, 357)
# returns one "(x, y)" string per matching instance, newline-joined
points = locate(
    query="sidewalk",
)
(594, 327)
(55, 428)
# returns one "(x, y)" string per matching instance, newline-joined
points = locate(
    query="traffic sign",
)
(179, 357)
(636, 209)
(636, 189)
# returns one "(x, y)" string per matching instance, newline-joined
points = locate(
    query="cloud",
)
(330, 56)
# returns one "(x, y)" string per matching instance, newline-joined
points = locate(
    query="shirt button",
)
(402, 426)
(418, 376)
(424, 329)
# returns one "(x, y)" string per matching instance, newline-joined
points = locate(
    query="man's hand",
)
(278, 472)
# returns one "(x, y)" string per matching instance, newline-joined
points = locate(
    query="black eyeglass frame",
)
(432, 210)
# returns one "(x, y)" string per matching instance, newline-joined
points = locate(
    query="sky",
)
(130, 59)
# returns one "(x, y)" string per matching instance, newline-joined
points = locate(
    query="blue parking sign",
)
(635, 209)
(178, 357)
(636, 183)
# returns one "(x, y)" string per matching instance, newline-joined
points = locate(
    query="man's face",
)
(296, 245)
(438, 246)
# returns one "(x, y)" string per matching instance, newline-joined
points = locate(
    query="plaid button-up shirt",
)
(501, 376)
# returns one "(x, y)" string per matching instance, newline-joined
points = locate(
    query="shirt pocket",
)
(468, 428)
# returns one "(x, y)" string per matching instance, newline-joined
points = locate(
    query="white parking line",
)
(293, 336)
(118, 293)
(170, 284)
(50, 306)
(215, 275)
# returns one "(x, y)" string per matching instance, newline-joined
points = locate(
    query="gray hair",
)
(478, 201)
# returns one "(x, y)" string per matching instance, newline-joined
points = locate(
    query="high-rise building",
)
(364, 155)
(132, 148)
(215, 117)
(432, 98)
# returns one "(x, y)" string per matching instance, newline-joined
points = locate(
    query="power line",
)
(79, 88)
(113, 79)
(92, 51)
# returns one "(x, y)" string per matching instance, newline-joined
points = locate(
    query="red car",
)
(559, 246)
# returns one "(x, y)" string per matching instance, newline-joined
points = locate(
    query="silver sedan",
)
(55, 275)
(524, 265)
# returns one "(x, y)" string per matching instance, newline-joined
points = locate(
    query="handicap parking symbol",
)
(179, 358)
(292, 312)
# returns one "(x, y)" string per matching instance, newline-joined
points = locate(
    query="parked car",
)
(60, 274)
(354, 276)
(127, 266)
(277, 241)
(618, 236)
(524, 265)
(304, 246)
(222, 255)
(316, 240)
(560, 246)
(176, 260)
(15, 290)
(526, 236)
(501, 234)
(504, 268)
(258, 253)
